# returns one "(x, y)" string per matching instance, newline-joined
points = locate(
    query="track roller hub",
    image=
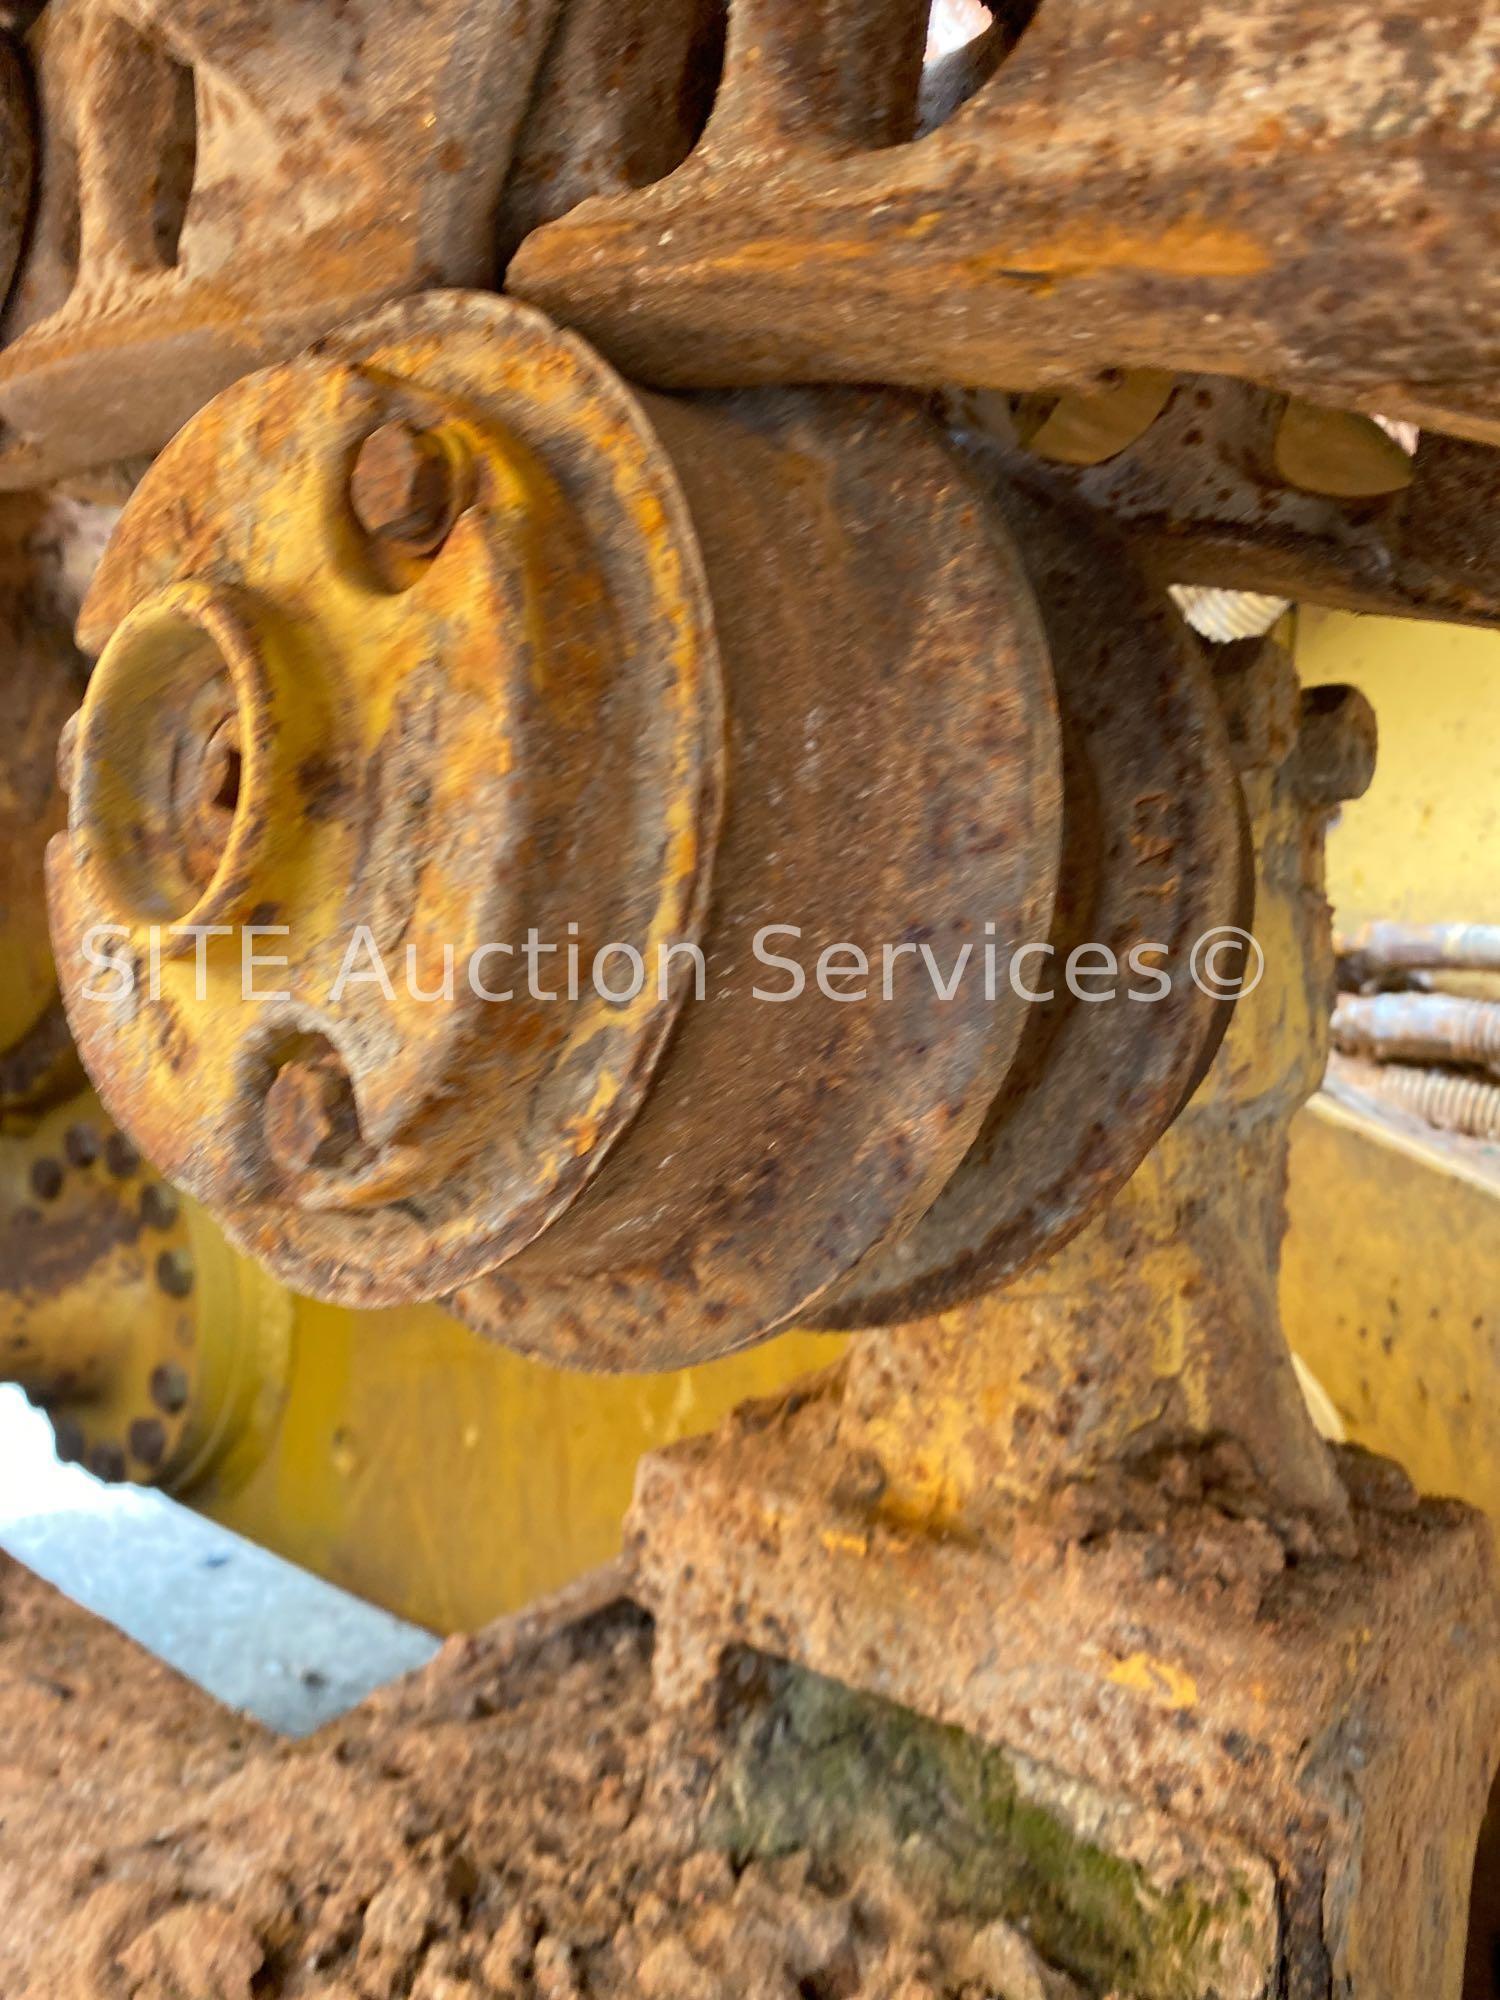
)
(442, 638)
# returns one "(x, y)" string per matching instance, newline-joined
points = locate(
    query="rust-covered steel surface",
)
(1087, 1518)
(1384, 952)
(1206, 494)
(620, 99)
(41, 678)
(222, 180)
(1159, 1321)
(435, 744)
(1299, 193)
(17, 156)
(446, 640)
(1288, 197)
(638, 611)
(909, 789)
(1418, 1027)
(1155, 856)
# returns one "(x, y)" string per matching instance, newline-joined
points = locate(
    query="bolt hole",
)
(311, 1116)
(158, 1206)
(147, 1439)
(227, 792)
(107, 1463)
(158, 766)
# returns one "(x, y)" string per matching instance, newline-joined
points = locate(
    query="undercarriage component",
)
(1087, 1522)
(1391, 1287)
(1159, 1323)
(155, 1350)
(41, 678)
(1205, 497)
(466, 721)
(1144, 278)
(221, 182)
(1297, 195)
(1155, 857)
(620, 100)
(1418, 1027)
(1382, 953)
(344, 1441)
(1443, 1099)
(411, 740)
(17, 158)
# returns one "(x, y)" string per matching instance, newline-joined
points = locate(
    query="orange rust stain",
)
(1144, 1674)
(1270, 136)
(1185, 249)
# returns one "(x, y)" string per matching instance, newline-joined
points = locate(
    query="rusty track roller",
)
(1155, 849)
(469, 628)
(528, 729)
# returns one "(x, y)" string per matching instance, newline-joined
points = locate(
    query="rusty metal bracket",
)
(221, 180)
(1300, 194)
(620, 99)
(1207, 493)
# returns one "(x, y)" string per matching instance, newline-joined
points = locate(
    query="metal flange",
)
(442, 635)
(401, 741)
(1156, 856)
(159, 1355)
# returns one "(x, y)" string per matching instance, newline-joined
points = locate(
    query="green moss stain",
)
(811, 1765)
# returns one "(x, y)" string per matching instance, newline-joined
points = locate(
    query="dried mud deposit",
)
(481, 1831)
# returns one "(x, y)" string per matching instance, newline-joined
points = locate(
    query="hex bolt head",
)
(71, 1444)
(106, 1461)
(1336, 746)
(310, 1119)
(402, 488)
(169, 1388)
(147, 1439)
(174, 1274)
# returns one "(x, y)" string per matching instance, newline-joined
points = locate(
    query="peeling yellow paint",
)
(1158, 1679)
